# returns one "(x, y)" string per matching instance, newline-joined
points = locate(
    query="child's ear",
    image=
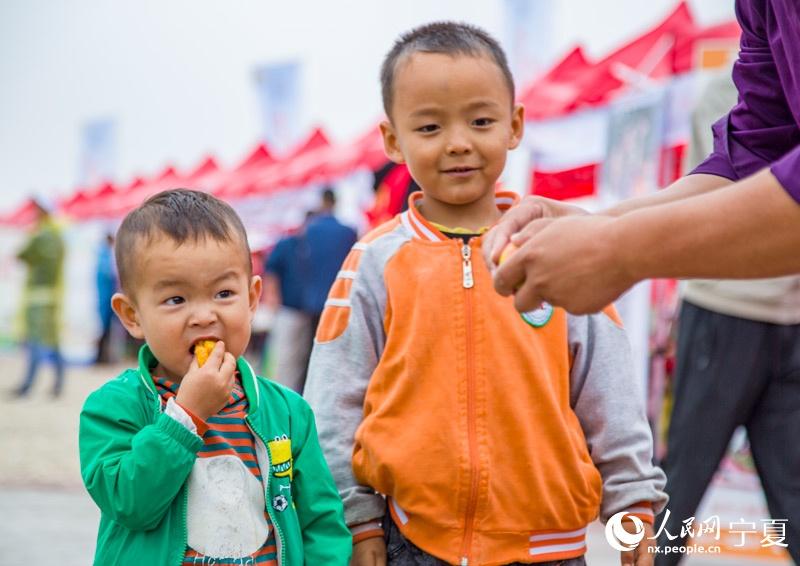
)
(390, 145)
(126, 312)
(517, 126)
(254, 294)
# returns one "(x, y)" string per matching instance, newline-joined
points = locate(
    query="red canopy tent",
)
(120, 202)
(230, 181)
(576, 83)
(206, 168)
(250, 181)
(668, 49)
(326, 163)
(572, 84)
(24, 215)
(83, 203)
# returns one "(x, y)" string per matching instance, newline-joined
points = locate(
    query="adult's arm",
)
(751, 229)
(582, 263)
(685, 187)
(515, 225)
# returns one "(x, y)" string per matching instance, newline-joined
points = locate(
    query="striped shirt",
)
(227, 434)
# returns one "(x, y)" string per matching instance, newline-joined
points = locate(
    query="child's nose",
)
(203, 315)
(458, 143)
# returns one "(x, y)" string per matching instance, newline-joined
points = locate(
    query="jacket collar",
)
(421, 229)
(147, 359)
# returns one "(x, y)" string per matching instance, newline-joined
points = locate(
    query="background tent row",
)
(568, 114)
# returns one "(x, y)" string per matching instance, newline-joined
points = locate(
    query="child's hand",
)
(205, 390)
(640, 556)
(369, 552)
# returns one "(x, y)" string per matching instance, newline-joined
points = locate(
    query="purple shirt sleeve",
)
(762, 129)
(787, 171)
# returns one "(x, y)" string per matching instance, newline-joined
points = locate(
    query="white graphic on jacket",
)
(225, 517)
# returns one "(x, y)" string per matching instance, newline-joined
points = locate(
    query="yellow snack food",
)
(202, 350)
(506, 253)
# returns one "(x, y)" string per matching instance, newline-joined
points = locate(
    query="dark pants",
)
(37, 353)
(734, 372)
(402, 552)
(103, 356)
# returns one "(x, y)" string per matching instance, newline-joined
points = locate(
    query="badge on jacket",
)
(539, 317)
(280, 452)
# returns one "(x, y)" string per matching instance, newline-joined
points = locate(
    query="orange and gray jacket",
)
(495, 437)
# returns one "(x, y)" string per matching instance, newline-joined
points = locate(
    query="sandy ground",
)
(46, 515)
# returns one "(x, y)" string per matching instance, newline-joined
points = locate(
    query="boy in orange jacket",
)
(489, 436)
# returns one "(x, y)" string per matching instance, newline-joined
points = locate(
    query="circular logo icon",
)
(279, 503)
(539, 317)
(619, 538)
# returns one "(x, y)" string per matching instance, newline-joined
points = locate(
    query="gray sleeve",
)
(338, 375)
(609, 403)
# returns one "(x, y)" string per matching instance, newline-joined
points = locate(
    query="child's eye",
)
(428, 129)
(226, 294)
(483, 122)
(174, 301)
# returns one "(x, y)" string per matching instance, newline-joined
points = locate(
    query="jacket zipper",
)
(279, 536)
(185, 489)
(468, 282)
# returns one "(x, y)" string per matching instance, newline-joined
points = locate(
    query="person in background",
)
(291, 334)
(737, 350)
(322, 248)
(43, 255)
(106, 279)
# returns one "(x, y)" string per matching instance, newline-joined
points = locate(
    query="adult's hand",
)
(575, 262)
(515, 221)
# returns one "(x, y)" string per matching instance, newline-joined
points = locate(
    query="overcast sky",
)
(176, 76)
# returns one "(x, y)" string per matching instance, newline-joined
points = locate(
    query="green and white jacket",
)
(136, 461)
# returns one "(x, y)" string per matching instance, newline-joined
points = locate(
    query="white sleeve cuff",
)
(179, 414)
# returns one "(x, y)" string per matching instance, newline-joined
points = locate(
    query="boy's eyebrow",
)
(425, 111)
(472, 106)
(164, 283)
(479, 104)
(227, 274)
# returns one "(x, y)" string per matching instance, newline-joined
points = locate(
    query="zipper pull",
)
(466, 254)
(464, 561)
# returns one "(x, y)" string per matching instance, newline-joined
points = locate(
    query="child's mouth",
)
(460, 171)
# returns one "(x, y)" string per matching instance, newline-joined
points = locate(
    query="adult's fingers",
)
(511, 222)
(527, 298)
(530, 230)
(511, 279)
(510, 276)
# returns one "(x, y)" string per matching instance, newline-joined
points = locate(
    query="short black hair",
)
(181, 215)
(449, 38)
(328, 196)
